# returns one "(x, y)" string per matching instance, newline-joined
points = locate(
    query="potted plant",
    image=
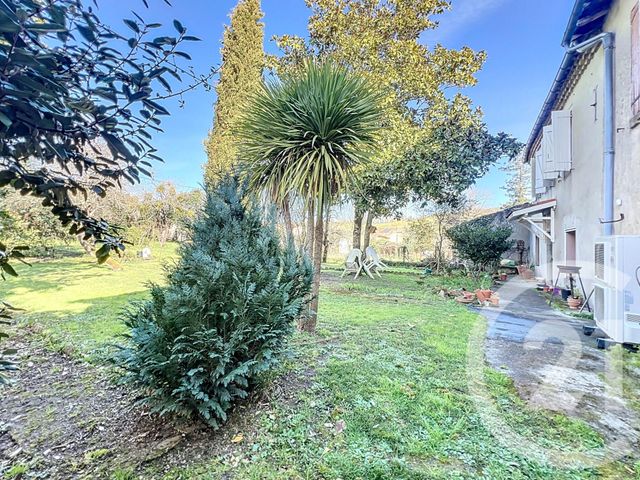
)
(503, 276)
(483, 293)
(574, 301)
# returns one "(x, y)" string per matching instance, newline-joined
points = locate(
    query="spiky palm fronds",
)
(303, 135)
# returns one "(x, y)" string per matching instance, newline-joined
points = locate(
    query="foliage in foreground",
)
(7, 360)
(197, 346)
(79, 104)
(481, 243)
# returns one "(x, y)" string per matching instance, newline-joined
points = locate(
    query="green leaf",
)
(9, 269)
(103, 252)
(5, 120)
(46, 27)
(132, 25)
(178, 26)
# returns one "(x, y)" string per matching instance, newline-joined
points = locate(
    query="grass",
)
(17, 471)
(389, 396)
(74, 303)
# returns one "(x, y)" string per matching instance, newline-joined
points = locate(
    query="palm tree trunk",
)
(367, 231)
(325, 241)
(309, 324)
(358, 215)
(288, 223)
(310, 230)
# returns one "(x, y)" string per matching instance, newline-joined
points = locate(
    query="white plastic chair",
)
(373, 262)
(355, 264)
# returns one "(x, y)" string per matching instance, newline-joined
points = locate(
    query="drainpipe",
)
(608, 43)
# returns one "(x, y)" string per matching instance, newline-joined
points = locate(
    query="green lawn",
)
(385, 392)
(74, 303)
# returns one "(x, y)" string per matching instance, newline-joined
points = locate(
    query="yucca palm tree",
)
(302, 136)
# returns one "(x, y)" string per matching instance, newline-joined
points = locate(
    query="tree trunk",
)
(367, 231)
(310, 230)
(325, 243)
(288, 223)
(439, 254)
(309, 324)
(358, 215)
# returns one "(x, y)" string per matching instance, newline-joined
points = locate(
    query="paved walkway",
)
(554, 366)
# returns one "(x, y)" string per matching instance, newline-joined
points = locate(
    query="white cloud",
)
(463, 13)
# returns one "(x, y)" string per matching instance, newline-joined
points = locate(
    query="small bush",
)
(198, 344)
(481, 243)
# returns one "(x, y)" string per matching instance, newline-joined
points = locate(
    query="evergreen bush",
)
(230, 302)
(481, 243)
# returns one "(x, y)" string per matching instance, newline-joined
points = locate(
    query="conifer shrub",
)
(229, 304)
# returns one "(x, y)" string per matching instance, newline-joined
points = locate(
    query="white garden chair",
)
(373, 262)
(355, 264)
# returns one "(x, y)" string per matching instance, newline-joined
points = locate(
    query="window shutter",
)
(547, 163)
(539, 160)
(635, 60)
(561, 121)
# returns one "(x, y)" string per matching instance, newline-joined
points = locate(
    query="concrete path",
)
(555, 367)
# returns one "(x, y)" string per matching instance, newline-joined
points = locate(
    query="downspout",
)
(608, 43)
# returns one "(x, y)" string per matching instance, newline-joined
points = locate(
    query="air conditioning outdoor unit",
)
(617, 287)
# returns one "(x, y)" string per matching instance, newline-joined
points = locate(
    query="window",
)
(570, 247)
(635, 61)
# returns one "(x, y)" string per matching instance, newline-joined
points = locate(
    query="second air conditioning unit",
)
(617, 287)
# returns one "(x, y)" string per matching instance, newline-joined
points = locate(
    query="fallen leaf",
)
(340, 426)
(238, 438)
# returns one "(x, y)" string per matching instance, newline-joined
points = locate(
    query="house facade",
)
(584, 150)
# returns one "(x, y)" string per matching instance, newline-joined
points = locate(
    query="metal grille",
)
(633, 318)
(599, 259)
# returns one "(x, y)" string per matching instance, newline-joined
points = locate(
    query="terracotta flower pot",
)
(574, 303)
(503, 277)
(483, 295)
(527, 274)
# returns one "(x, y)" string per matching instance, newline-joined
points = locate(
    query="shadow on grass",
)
(94, 327)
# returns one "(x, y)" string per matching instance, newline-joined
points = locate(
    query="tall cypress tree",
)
(243, 60)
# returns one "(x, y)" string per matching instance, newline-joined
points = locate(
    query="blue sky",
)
(521, 37)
